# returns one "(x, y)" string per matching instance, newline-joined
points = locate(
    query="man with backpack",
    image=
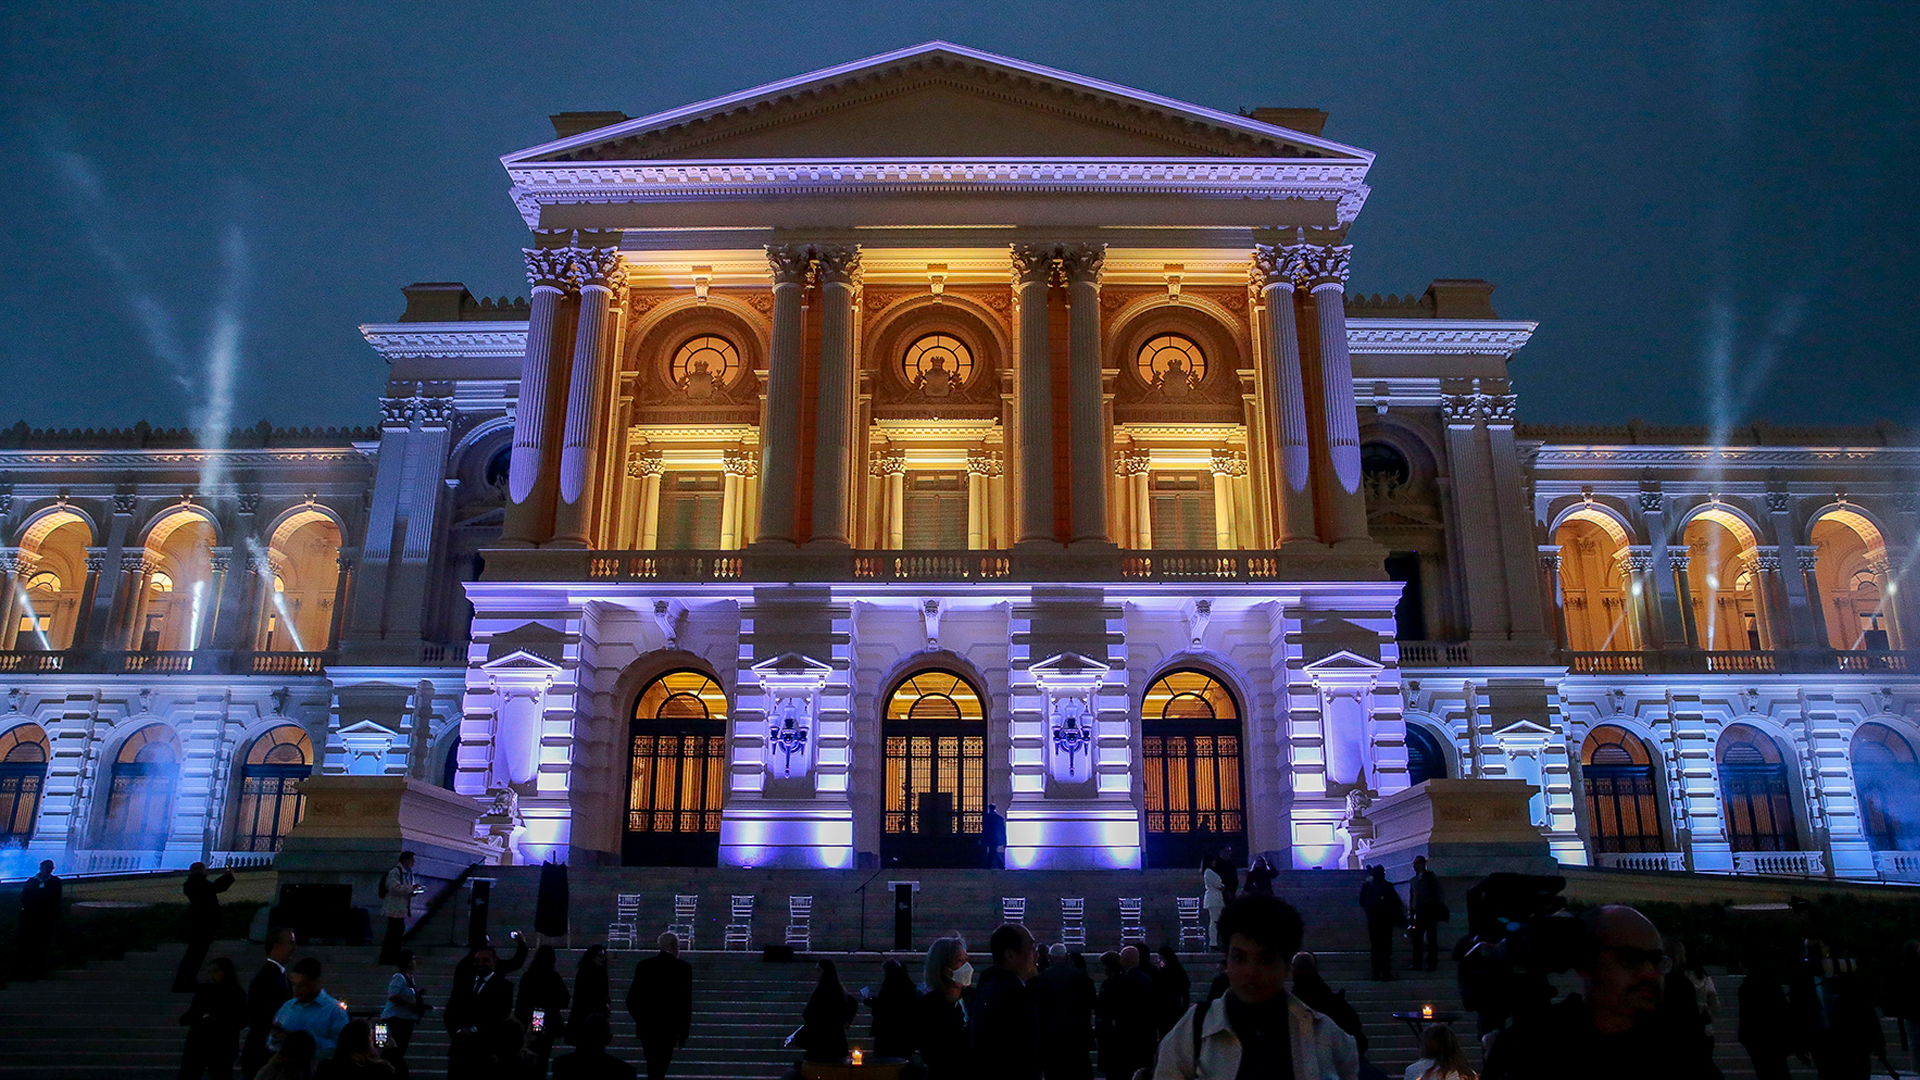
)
(397, 890)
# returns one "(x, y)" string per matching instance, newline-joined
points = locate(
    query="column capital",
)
(1136, 463)
(548, 267)
(1809, 557)
(1083, 262)
(1324, 266)
(893, 463)
(1767, 562)
(16, 561)
(980, 462)
(1779, 502)
(125, 502)
(1550, 558)
(1229, 463)
(1499, 409)
(1639, 558)
(1460, 410)
(736, 462)
(645, 463)
(789, 263)
(137, 562)
(839, 263)
(597, 268)
(1032, 262)
(96, 559)
(1679, 558)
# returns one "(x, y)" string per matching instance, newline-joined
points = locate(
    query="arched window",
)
(270, 799)
(937, 364)
(1383, 465)
(1190, 754)
(936, 749)
(1886, 773)
(1623, 811)
(677, 772)
(450, 764)
(707, 359)
(1425, 760)
(1754, 792)
(1171, 363)
(499, 466)
(140, 793)
(23, 773)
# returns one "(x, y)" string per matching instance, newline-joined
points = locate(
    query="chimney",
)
(1304, 121)
(434, 301)
(1462, 298)
(568, 124)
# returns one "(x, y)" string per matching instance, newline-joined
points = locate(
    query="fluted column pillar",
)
(1138, 464)
(734, 464)
(893, 472)
(13, 578)
(1032, 268)
(1273, 270)
(979, 467)
(1223, 462)
(1806, 567)
(1680, 559)
(780, 444)
(1081, 265)
(833, 426)
(1550, 567)
(528, 501)
(649, 465)
(600, 275)
(1326, 269)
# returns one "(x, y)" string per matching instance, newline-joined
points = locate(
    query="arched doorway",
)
(23, 774)
(303, 558)
(1190, 756)
(1754, 792)
(1851, 578)
(270, 798)
(1594, 594)
(935, 735)
(1425, 760)
(1623, 810)
(677, 772)
(1729, 602)
(146, 772)
(1885, 771)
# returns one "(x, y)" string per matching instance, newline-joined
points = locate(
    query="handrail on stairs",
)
(448, 892)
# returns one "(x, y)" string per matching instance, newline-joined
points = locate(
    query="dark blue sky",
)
(1710, 208)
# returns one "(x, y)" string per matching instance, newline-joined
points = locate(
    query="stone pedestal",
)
(1465, 828)
(356, 826)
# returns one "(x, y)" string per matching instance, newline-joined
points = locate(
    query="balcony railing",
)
(203, 661)
(1435, 654)
(1641, 860)
(1897, 865)
(1758, 662)
(1607, 663)
(1780, 863)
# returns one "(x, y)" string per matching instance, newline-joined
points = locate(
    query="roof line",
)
(614, 131)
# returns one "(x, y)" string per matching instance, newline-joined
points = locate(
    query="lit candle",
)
(856, 1055)
(1426, 1012)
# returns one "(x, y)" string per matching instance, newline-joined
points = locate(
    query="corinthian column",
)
(600, 275)
(1326, 269)
(780, 445)
(648, 465)
(1032, 266)
(1087, 459)
(547, 273)
(832, 431)
(1273, 271)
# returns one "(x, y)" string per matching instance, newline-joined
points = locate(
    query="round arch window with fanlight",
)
(1171, 363)
(270, 800)
(935, 744)
(1887, 774)
(146, 773)
(1191, 759)
(1754, 793)
(1623, 808)
(937, 364)
(23, 775)
(708, 358)
(676, 772)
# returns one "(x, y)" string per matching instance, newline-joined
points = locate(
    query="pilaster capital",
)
(220, 561)
(1032, 263)
(1325, 266)
(1550, 558)
(645, 463)
(1652, 501)
(1083, 262)
(249, 502)
(125, 502)
(96, 559)
(1460, 410)
(1639, 558)
(839, 263)
(597, 268)
(980, 462)
(788, 263)
(736, 462)
(1779, 502)
(548, 267)
(1679, 558)
(1228, 463)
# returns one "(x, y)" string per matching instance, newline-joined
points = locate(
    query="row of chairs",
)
(1073, 920)
(624, 930)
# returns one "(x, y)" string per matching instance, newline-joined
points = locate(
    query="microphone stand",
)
(862, 891)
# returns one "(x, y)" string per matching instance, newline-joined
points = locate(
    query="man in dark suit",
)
(203, 923)
(1006, 1036)
(993, 836)
(661, 1004)
(477, 1000)
(39, 921)
(1063, 1004)
(268, 991)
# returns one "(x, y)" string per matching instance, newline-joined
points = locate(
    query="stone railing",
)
(118, 862)
(1780, 863)
(202, 661)
(1607, 663)
(1682, 661)
(1897, 865)
(854, 565)
(1435, 654)
(240, 860)
(1641, 860)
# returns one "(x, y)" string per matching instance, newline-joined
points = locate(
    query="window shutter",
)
(690, 511)
(936, 511)
(1182, 508)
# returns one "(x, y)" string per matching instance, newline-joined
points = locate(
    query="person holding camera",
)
(1613, 1027)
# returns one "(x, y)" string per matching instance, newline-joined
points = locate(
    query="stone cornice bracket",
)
(1031, 263)
(1083, 262)
(1197, 614)
(788, 263)
(548, 268)
(839, 264)
(1324, 267)
(668, 615)
(930, 611)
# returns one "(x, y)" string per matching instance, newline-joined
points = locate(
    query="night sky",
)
(1710, 208)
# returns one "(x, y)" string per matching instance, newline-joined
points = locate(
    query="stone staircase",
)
(117, 1021)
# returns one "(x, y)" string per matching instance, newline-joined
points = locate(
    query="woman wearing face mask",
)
(942, 1036)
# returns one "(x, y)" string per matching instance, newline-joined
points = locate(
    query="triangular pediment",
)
(938, 100)
(1343, 662)
(792, 664)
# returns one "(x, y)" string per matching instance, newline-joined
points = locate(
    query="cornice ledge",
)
(1751, 456)
(1484, 337)
(446, 340)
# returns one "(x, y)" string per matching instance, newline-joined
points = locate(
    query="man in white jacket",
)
(1257, 1028)
(397, 890)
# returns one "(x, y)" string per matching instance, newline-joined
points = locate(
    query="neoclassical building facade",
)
(942, 431)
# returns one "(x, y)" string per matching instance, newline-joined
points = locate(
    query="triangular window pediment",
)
(520, 660)
(1342, 661)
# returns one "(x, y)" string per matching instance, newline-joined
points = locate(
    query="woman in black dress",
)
(893, 1012)
(823, 1026)
(213, 1022)
(591, 996)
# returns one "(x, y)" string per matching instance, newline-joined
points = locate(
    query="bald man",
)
(1612, 1027)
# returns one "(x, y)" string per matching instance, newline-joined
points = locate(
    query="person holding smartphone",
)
(405, 1009)
(543, 994)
